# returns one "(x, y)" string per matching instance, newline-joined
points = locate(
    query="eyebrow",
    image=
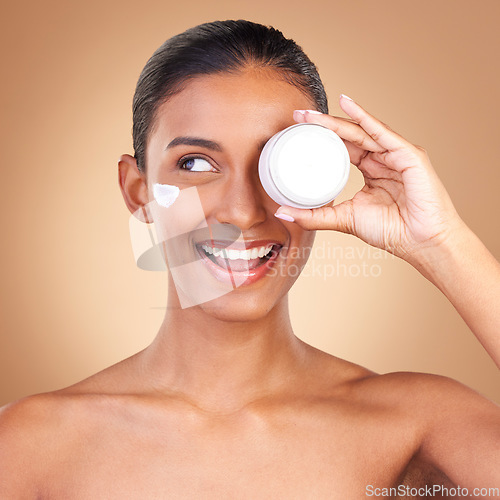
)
(195, 141)
(204, 143)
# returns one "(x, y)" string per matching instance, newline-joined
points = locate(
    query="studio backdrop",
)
(73, 300)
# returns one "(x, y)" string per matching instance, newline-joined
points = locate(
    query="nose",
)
(242, 199)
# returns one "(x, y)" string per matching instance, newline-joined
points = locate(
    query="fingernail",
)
(346, 96)
(299, 115)
(314, 112)
(286, 217)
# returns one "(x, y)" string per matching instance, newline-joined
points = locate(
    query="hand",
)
(403, 206)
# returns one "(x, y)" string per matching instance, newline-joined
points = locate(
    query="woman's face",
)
(206, 141)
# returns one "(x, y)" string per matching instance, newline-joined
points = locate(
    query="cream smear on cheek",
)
(165, 194)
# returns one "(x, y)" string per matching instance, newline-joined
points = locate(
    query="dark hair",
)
(216, 47)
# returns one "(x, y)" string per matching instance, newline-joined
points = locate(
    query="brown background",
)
(73, 301)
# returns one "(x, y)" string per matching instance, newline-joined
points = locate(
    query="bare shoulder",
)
(29, 430)
(409, 389)
(422, 390)
(428, 404)
(38, 432)
(439, 410)
(27, 421)
(438, 416)
(67, 409)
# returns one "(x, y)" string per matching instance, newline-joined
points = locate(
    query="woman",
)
(227, 402)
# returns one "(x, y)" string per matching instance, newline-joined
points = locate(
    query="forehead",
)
(229, 102)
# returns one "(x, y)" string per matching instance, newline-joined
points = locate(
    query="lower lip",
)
(243, 278)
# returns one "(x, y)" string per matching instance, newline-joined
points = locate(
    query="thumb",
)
(337, 218)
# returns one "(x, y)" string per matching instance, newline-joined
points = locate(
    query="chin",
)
(239, 307)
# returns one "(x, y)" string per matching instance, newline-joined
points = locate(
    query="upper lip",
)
(238, 244)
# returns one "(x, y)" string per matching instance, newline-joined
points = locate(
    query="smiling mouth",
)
(239, 261)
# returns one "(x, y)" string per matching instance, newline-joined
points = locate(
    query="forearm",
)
(469, 275)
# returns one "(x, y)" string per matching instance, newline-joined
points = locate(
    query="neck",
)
(219, 365)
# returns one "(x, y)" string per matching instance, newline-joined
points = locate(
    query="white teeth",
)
(232, 254)
(246, 254)
(207, 249)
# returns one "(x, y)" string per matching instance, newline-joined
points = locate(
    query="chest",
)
(233, 458)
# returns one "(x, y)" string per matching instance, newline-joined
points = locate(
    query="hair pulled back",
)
(217, 47)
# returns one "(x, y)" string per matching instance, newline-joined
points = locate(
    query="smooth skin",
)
(227, 402)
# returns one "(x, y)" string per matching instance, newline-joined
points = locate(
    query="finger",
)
(387, 158)
(344, 128)
(356, 154)
(403, 160)
(373, 165)
(337, 218)
(377, 130)
(373, 169)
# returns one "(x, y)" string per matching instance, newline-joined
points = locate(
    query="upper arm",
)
(461, 434)
(23, 449)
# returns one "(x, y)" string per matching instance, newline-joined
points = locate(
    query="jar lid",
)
(309, 164)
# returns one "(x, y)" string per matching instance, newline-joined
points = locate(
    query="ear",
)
(134, 188)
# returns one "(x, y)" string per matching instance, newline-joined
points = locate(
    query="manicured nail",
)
(286, 217)
(299, 115)
(346, 96)
(314, 112)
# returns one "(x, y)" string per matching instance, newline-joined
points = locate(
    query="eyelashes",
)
(195, 164)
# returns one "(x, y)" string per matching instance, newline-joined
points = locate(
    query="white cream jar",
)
(304, 166)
